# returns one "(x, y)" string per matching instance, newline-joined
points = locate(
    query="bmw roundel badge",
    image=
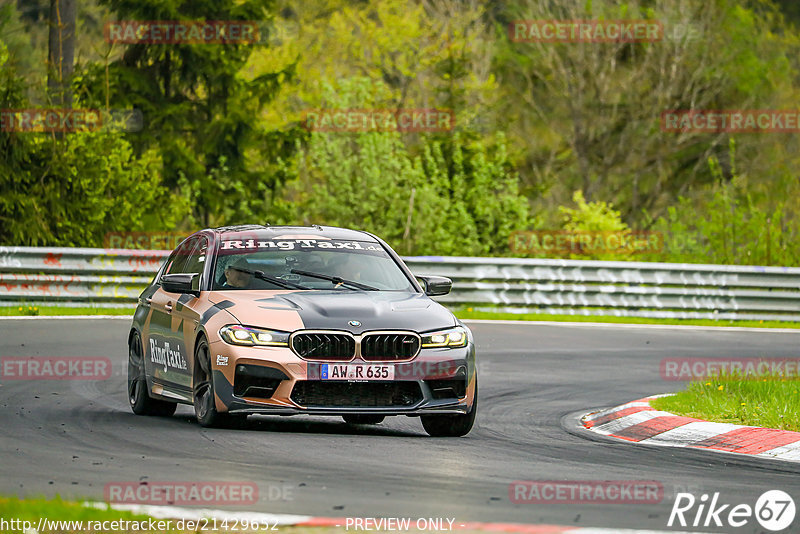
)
(354, 323)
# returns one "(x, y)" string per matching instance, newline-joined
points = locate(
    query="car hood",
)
(335, 310)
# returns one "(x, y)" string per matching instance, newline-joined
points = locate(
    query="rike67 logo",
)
(774, 511)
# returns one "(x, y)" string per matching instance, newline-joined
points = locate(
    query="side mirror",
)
(179, 283)
(436, 285)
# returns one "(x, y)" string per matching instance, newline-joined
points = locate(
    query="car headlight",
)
(454, 337)
(248, 335)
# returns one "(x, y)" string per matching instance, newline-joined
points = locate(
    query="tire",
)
(358, 419)
(451, 426)
(138, 396)
(205, 408)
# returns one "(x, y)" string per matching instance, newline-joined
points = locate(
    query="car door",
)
(185, 314)
(166, 348)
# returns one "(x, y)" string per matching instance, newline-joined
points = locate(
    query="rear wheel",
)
(358, 419)
(205, 406)
(452, 426)
(139, 398)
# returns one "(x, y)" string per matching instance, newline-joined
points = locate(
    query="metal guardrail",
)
(76, 276)
(115, 277)
(625, 289)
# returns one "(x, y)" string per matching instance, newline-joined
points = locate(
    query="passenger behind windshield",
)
(238, 274)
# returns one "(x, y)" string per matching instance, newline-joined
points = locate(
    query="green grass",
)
(56, 509)
(33, 310)
(461, 313)
(772, 402)
(469, 313)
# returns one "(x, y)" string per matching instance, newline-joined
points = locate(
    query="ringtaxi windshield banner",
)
(232, 246)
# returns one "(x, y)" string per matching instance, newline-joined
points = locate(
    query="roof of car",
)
(258, 231)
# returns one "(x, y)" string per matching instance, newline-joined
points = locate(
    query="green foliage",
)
(16, 51)
(587, 116)
(589, 231)
(469, 199)
(32, 509)
(456, 197)
(63, 310)
(595, 216)
(736, 229)
(71, 192)
(424, 55)
(682, 242)
(200, 112)
(494, 314)
(3, 54)
(599, 219)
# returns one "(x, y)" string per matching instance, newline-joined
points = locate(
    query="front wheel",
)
(138, 397)
(205, 405)
(451, 426)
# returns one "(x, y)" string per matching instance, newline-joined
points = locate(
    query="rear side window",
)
(197, 261)
(179, 258)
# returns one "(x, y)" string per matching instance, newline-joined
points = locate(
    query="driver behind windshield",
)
(237, 274)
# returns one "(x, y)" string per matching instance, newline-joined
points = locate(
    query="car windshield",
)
(309, 264)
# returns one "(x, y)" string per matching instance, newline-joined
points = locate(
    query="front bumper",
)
(274, 380)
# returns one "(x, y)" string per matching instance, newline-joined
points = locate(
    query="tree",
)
(587, 115)
(736, 229)
(61, 55)
(427, 54)
(457, 197)
(71, 191)
(200, 111)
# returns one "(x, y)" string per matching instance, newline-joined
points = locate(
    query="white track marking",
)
(691, 434)
(175, 512)
(609, 411)
(622, 423)
(790, 451)
(628, 325)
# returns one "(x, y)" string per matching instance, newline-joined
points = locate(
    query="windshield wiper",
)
(271, 279)
(335, 279)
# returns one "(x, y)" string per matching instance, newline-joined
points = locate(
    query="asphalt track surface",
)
(71, 437)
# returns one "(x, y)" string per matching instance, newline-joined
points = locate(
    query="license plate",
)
(333, 371)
